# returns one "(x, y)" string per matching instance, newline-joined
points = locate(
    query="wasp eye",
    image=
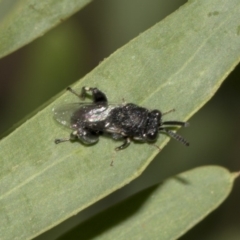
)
(156, 113)
(152, 135)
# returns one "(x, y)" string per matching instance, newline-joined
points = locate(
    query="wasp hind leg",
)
(98, 96)
(84, 135)
(61, 140)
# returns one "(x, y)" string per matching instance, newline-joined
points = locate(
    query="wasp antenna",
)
(172, 110)
(176, 136)
(176, 123)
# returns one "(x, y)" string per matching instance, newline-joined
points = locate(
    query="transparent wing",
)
(63, 113)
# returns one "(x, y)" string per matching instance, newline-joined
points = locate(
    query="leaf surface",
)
(178, 63)
(164, 211)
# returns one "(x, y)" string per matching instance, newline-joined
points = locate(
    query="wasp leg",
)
(98, 96)
(73, 92)
(61, 140)
(84, 135)
(87, 136)
(126, 143)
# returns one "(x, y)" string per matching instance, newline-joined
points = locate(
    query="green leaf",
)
(179, 63)
(164, 211)
(24, 20)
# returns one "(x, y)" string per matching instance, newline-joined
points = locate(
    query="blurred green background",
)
(40, 70)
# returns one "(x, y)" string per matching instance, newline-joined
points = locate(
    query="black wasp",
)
(125, 121)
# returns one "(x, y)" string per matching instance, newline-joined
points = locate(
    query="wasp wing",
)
(64, 113)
